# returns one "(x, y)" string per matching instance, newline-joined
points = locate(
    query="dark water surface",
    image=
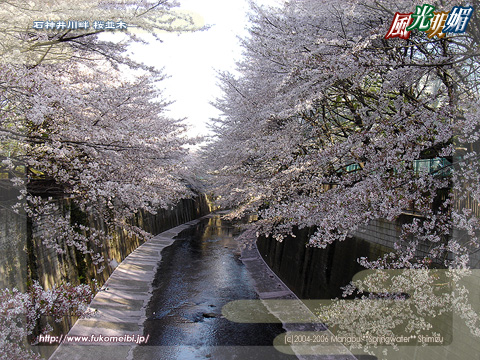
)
(197, 276)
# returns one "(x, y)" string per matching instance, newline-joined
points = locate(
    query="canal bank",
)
(120, 307)
(415, 326)
(294, 315)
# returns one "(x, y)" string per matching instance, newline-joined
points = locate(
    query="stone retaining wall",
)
(25, 258)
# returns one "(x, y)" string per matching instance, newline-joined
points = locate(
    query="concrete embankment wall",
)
(51, 267)
(25, 258)
(32, 260)
(386, 233)
(314, 273)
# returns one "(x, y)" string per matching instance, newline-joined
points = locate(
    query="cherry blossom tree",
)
(81, 118)
(104, 143)
(94, 123)
(21, 311)
(55, 30)
(329, 125)
(328, 121)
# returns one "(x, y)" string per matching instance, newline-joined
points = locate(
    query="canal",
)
(199, 274)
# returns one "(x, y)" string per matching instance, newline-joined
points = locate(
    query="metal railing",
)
(437, 166)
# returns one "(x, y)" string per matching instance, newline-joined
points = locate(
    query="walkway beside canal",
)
(121, 305)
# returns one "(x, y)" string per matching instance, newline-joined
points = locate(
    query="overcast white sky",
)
(192, 59)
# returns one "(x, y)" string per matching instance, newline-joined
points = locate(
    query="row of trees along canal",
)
(81, 120)
(327, 125)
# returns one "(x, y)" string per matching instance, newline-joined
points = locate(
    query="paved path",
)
(121, 307)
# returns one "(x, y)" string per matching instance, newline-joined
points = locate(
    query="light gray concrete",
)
(120, 306)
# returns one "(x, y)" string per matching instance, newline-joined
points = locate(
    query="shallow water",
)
(197, 276)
